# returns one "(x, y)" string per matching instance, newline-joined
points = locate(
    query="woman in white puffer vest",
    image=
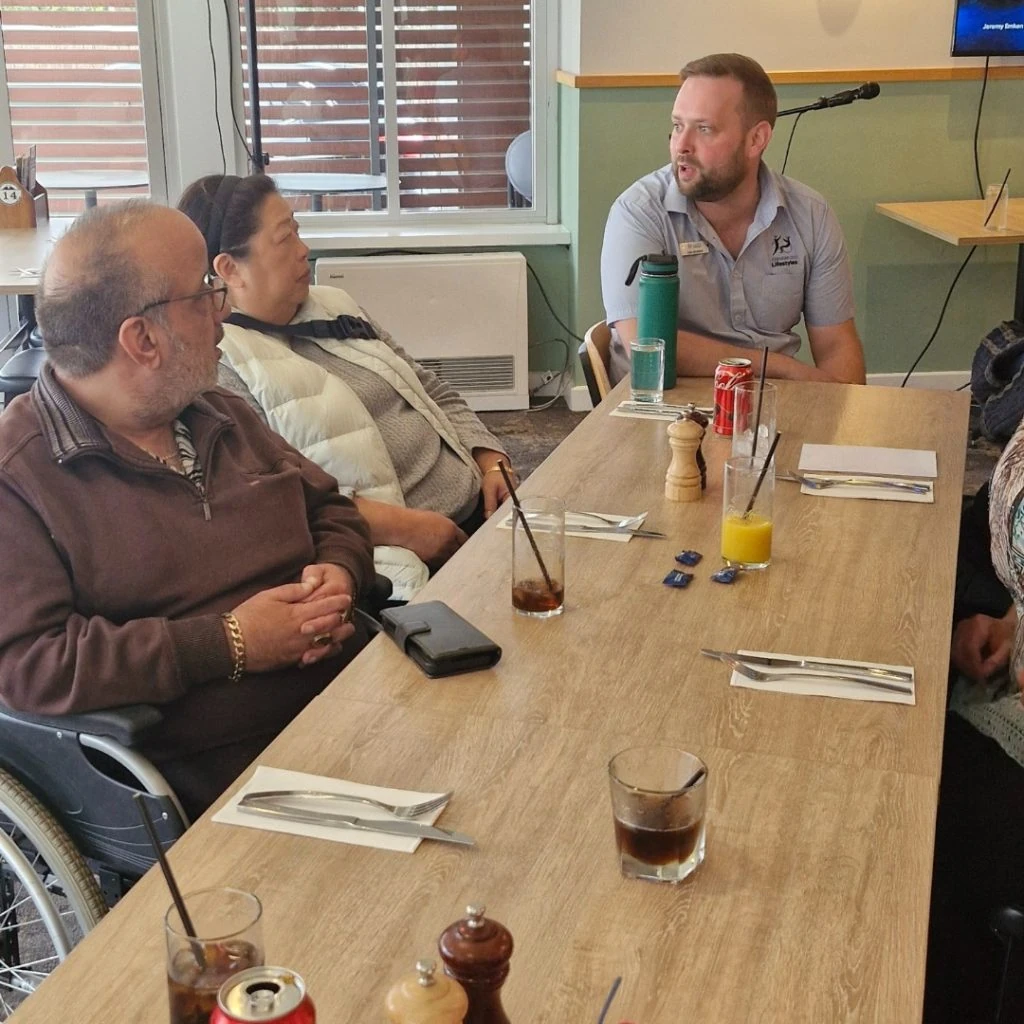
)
(421, 467)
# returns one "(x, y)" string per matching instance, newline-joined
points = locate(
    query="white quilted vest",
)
(323, 417)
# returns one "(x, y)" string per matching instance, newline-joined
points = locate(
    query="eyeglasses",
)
(218, 296)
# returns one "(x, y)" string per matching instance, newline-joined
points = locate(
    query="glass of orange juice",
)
(747, 532)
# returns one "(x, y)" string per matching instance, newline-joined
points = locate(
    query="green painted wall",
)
(913, 142)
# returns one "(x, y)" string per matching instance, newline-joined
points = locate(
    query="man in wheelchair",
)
(160, 544)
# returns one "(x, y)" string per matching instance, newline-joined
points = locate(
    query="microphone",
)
(867, 91)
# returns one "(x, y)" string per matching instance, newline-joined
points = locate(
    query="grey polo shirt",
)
(793, 262)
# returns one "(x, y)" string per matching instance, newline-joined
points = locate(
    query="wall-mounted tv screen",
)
(988, 28)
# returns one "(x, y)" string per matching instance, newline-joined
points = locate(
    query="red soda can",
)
(728, 374)
(264, 995)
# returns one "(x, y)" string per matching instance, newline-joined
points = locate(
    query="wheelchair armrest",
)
(125, 724)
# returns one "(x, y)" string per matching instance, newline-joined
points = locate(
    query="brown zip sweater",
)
(114, 569)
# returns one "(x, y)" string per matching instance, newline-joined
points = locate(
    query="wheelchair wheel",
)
(49, 898)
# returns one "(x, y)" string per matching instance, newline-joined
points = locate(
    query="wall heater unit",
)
(462, 315)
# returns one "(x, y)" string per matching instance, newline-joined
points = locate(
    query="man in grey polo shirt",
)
(756, 250)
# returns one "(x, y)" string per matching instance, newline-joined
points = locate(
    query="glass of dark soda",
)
(659, 795)
(228, 939)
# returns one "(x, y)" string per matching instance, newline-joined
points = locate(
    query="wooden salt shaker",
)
(476, 952)
(683, 480)
(420, 998)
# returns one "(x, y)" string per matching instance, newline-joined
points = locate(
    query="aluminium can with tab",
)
(264, 995)
(728, 374)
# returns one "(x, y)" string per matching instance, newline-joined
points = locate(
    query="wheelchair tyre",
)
(49, 898)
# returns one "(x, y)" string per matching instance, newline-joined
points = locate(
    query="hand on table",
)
(981, 645)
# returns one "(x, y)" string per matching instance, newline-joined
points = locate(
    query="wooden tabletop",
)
(959, 221)
(813, 901)
(22, 251)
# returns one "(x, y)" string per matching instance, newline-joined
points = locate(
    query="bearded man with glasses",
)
(161, 544)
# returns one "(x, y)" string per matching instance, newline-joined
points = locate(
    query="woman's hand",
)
(492, 487)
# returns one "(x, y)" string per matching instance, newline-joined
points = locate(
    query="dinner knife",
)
(413, 829)
(623, 530)
(898, 675)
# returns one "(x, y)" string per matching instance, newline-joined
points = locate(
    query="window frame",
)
(543, 118)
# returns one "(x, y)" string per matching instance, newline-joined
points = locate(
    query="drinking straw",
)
(526, 527)
(695, 777)
(760, 395)
(165, 867)
(999, 195)
(760, 477)
(608, 1000)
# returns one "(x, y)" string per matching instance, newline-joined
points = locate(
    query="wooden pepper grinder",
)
(476, 952)
(684, 480)
(420, 998)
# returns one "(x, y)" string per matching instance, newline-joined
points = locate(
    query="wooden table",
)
(22, 251)
(812, 904)
(959, 222)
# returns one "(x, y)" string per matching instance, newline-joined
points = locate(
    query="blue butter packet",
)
(689, 557)
(726, 575)
(678, 578)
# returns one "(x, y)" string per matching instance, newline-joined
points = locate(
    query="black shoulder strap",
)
(341, 328)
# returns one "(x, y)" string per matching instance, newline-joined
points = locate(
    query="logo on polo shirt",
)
(781, 247)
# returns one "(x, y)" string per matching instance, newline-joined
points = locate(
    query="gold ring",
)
(322, 640)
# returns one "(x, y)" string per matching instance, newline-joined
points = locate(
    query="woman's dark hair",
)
(226, 209)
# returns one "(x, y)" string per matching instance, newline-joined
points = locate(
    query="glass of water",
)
(647, 370)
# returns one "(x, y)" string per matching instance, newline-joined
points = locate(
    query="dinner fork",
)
(270, 796)
(628, 523)
(820, 483)
(743, 669)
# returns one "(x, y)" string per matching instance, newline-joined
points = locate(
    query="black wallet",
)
(439, 640)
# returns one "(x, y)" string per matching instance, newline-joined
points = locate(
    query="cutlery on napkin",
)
(265, 778)
(588, 524)
(878, 488)
(656, 410)
(823, 677)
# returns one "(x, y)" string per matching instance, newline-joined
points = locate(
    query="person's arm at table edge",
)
(698, 356)
(837, 351)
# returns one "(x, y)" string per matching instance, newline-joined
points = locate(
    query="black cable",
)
(792, 132)
(981, 193)
(962, 386)
(558, 320)
(231, 73)
(216, 97)
(560, 376)
(942, 313)
(977, 127)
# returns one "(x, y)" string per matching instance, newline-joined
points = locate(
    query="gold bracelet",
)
(496, 468)
(237, 647)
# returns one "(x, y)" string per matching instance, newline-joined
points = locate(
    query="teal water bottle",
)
(658, 307)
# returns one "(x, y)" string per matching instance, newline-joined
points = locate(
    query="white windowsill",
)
(426, 236)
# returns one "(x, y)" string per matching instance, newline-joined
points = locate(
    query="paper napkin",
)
(279, 778)
(823, 687)
(861, 460)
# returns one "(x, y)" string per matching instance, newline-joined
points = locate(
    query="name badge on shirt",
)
(693, 248)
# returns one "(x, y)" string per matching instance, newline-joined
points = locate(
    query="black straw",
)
(695, 777)
(608, 1000)
(999, 195)
(760, 478)
(526, 527)
(186, 921)
(760, 395)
